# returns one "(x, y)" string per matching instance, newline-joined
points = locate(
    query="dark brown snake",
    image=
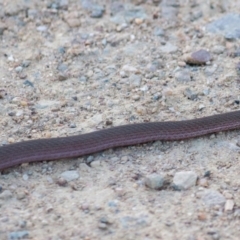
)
(126, 135)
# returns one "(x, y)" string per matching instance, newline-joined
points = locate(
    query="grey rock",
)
(132, 49)
(228, 26)
(206, 91)
(61, 50)
(213, 197)
(183, 75)
(89, 159)
(210, 70)
(158, 32)
(123, 74)
(83, 79)
(105, 219)
(19, 69)
(184, 180)
(153, 66)
(42, 28)
(116, 7)
(154, 181)
(6, 195)
(102, 226)
(18, 235)
(129, 13)
(28, 83)
(190, 94)
(72, 125)
(62, 67)
(26, 63)
(59, 4)
(104, 42)
(63, 4)
(96, 164)
(129, 68)
(97, 12)
(218, 49)
(135, 97)
(70, 175)
(169, 48)
(196, 15)
(157, 96)
(169, 9)
(135, 80)
(32, 13)
(46, 104)
(62, 76)
(25, 177)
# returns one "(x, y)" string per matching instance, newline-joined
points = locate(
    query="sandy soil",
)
(70, 67)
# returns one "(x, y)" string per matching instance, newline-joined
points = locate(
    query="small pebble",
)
(19, 69)
(102, 226)
(183, 75)
(19, 113)
(128, 68)
(73, 22)
(6, 195)
(154, 181)
(119, 191)
(218, 49)
(21, 194)
(97, 12)
(213, 197)
(184, 180)
(135, 97)
(190, 94)
(123, 74)
(61, 182)
(96, 164)
(135, 80)
(199, 57)
(169, 48)
(181, 64)
(203, 182)
(25, 177)
(89, 159)
(105, 220)
(158, 32)
(42, 28)
(26, 63)
(202, 216)
(11, 140)
(229, 205)
(72, 125)
(24, 103)
(201, 107)
(85, 207)
(18, 235)
(62, 76)
(70, 175)
(138, 21)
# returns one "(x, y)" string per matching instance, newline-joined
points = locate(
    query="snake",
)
(120, 136)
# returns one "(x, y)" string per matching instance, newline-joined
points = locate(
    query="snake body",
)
(125, 135)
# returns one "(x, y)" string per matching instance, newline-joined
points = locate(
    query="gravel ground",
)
(69, 67)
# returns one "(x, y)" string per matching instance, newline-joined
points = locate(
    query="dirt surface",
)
(70, 67)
